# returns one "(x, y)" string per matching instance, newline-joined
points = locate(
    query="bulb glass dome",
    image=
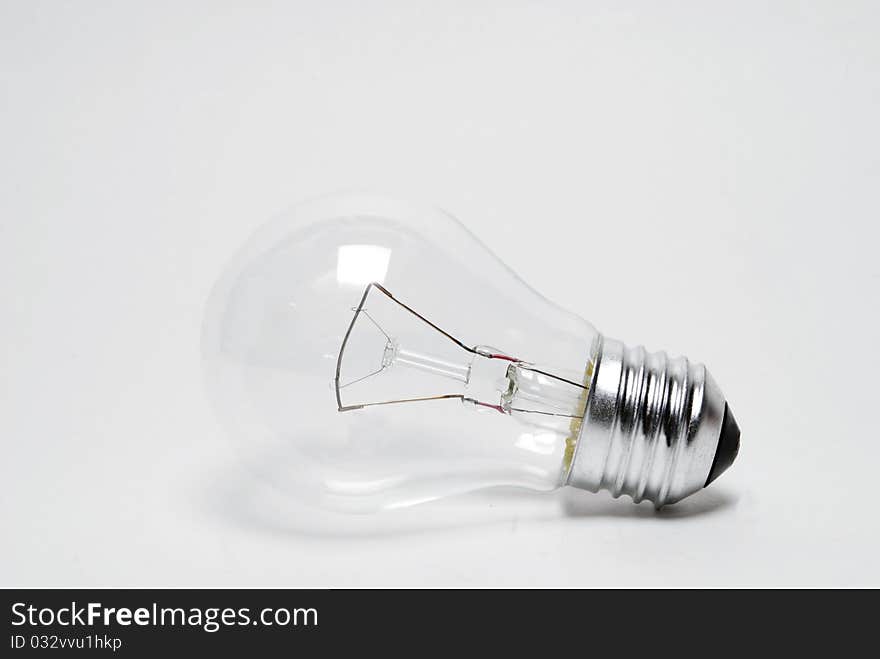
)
(367, 353)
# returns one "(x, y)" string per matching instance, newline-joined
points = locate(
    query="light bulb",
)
(367, 353)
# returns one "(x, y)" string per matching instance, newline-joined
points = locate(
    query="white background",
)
(697, 178)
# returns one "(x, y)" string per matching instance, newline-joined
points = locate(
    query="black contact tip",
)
(728, 446)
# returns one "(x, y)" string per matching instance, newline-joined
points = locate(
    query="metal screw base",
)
(651, 426)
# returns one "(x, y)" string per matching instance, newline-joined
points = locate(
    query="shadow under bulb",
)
(369, 354)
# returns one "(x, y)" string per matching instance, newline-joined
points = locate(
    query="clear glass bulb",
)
(366, 354)
(346, 350)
